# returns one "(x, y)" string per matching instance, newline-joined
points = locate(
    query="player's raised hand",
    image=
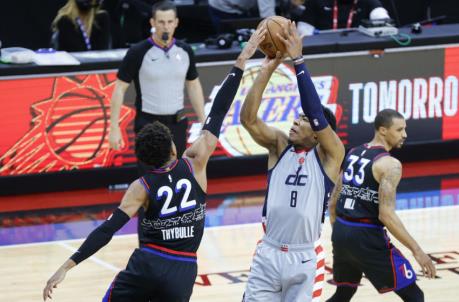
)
(251, 46)
(55, 279)
(272, 63)
(291, 39)
(427, 266)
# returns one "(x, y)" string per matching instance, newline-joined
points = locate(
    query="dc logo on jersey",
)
(296, 179)
(406, 271)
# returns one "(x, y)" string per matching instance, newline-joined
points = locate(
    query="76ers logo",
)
(406, 271)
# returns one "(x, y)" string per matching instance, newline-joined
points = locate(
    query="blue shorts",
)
(365, 248)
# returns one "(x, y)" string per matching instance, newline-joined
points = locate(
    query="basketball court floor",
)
(34, 244)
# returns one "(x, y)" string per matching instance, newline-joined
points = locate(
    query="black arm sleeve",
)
(310, 101)
(100, 236)
(223, 101)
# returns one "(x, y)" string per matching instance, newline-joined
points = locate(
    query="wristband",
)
(298, 60)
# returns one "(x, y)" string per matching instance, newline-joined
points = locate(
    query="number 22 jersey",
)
(174, 218)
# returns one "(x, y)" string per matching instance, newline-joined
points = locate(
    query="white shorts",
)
(281, 273)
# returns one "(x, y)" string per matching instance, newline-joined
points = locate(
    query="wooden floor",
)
(224, 259)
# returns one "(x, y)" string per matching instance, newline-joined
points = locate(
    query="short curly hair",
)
(153, 144)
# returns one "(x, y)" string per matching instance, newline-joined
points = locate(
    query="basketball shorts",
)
(281, 272)
(362, 248)
(151, 277)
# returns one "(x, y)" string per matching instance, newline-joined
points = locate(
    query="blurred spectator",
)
(81, 25)
(334, 14)
(237, 9)
(130, 20)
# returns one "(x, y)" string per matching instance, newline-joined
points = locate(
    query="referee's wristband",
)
(298, 60)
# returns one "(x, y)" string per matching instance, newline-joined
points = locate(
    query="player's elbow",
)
(247, 120)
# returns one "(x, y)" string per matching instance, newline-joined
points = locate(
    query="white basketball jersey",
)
(296, 197)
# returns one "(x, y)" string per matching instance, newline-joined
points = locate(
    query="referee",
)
(160, 67)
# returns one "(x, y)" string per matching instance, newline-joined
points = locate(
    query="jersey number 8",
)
(350, 174)
(185, 204)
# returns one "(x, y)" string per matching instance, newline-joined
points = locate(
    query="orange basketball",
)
(271, 44)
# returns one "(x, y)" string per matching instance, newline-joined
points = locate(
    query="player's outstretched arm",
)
(334, 198)
(268, 137)
(388, 171)
(200, 151)
(133, 199)
(310, 102)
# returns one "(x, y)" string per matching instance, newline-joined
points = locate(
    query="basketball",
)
(271, 44)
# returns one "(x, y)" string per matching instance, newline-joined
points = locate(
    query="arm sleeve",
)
(223, 101)
(100, 236)
(192, 72)
(310, 101)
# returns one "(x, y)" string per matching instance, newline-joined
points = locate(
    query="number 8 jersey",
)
(296, 197)
(174, 218)
(359, 194)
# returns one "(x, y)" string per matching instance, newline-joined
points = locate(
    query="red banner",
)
(59, 123)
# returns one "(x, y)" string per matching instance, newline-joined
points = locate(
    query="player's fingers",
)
(432, 270)
(283, 40)
(429, 271)
(278, 55)
(294, 30)
(285, 30)
(290, 28)
(258, 33)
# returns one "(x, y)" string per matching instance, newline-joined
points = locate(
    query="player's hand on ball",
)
(272, 63)
(291, 40)
(427, 266)
(114, 138)
(255, 39)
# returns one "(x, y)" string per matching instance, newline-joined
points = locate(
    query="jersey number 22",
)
(185, 204)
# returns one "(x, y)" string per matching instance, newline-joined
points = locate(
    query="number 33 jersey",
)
(296, 197)
(174, 218)
(359, 194)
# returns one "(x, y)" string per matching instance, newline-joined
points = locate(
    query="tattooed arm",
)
(387, 172)
(334, 199)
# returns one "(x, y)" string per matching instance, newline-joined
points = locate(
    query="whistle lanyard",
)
(84, 33)
(349, 18)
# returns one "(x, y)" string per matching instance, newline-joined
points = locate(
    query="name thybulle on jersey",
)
(178, 233)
